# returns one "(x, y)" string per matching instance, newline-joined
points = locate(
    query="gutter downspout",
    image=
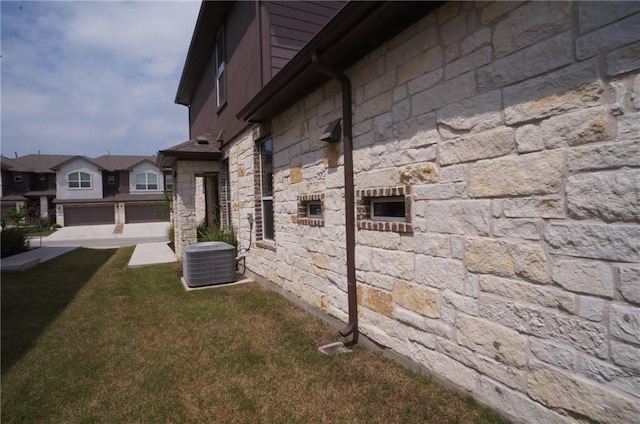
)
(349, 196)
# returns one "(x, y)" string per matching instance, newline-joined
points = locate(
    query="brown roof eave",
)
(167, 158)
(210, 19)
(357, 29)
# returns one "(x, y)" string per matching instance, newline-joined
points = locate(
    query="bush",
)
(215, 233)
(13, 242)
(171, 234)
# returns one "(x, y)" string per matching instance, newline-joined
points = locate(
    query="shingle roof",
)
(204, 147)
(57, 166)
(122, 162)
(36, 162)
(7, 163)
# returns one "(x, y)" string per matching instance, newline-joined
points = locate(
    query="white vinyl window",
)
(388, 209)
(220, 53)
(314, 210)
(17, 177)
(168, 182)
(79, 180)
(111, 180)
(146, 181)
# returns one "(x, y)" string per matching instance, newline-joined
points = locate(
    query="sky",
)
(92, 77)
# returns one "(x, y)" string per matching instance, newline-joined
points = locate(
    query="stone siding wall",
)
(189, 200)
(516, 129)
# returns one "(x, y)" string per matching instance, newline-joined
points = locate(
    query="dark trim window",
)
(79, 180)
(220, 53)
(146, 181)
(226, 188)
(17, 177)
(168, 182)
(265, 149)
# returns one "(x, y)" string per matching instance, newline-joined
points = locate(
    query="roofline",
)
(58, 165)
(166, 158)
(210, 19)
(357, 29)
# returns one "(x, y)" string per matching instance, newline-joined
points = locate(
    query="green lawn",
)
(85, 339)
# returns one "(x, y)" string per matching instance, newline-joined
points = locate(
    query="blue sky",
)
(88, 77)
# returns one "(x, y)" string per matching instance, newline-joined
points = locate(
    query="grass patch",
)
(35, 231)
(86, 339)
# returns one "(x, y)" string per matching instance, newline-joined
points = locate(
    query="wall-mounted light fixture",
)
(333, 132)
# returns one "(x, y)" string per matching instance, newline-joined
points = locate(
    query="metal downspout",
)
(352, 325)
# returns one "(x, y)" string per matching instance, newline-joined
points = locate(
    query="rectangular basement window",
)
(388, 209)
(314, 210)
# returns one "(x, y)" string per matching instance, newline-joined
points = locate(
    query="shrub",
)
(215, 233)
(13, 242)
(171, 234)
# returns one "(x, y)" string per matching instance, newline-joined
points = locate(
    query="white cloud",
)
(87, 77)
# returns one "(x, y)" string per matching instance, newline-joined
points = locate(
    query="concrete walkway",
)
(150, 240)
(152, 254)
(29, 259)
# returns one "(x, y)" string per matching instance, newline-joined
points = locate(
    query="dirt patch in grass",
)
(130, 345)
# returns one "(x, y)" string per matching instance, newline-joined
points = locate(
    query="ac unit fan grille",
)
(208, 263)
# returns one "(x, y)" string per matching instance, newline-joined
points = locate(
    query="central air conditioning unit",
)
(208, 263)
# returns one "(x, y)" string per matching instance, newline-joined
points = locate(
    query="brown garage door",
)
(141, 213)
(89, 215)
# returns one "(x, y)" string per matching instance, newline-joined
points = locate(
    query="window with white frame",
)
(311, 209)
(79, 180)
(385, 209)
(17, 177)
(314, 210)
(220, 54)
(168, 182)
(266, 188)
(111, 179)
(146, 181)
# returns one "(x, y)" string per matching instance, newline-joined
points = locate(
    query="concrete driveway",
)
(106, 236)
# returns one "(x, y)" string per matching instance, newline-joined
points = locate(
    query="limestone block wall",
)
(513, 130)
(188, 200)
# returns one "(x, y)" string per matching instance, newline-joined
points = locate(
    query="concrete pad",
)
(240, 279)
(152, 254)
(33, 257)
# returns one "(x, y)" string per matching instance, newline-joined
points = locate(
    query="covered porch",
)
(195, 168)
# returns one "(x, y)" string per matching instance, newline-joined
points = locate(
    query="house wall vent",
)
(208, 263)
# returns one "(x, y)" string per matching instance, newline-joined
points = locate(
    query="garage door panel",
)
(92, 215)
(141, 213)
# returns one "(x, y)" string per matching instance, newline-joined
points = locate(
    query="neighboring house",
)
(458, 182)
(28, 181)
(77, 190)
(110, 189)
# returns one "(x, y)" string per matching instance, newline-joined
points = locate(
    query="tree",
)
(17, 215)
